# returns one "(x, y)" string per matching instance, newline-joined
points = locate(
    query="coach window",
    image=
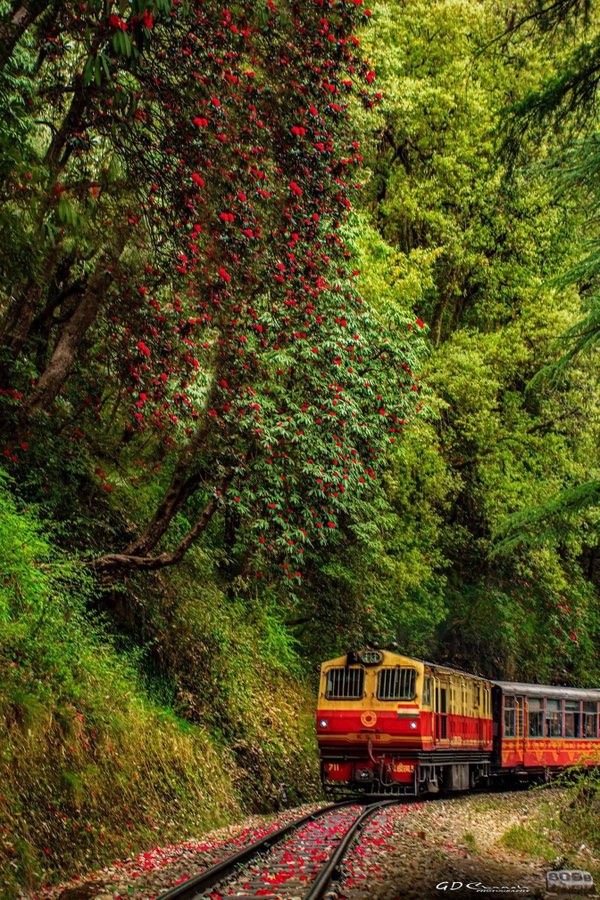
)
(590, 719)
(572, 719)
(553, 718)
(509, 716)
(536, 718)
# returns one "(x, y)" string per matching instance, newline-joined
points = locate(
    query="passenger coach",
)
(391, 724)
(541, 728)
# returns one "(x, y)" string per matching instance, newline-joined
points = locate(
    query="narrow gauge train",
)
(390, 724)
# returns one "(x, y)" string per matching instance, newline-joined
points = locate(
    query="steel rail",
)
(198, 884)
(329, 870)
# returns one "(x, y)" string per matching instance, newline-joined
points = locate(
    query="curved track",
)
(303, 857)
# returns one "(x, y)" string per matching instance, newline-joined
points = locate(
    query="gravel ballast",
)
(452, 847)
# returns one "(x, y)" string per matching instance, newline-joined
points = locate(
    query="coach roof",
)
(547, 690)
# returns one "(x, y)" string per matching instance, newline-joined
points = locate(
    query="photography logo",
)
(572, 881)
(576, 881)
(480, 888)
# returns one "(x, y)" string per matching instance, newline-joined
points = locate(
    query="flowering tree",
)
(224, 303)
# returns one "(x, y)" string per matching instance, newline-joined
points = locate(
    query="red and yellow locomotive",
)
(391, 724)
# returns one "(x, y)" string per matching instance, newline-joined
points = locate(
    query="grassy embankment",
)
(101, 757)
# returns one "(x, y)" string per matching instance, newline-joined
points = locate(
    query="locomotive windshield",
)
(396, 684)
(345, 683)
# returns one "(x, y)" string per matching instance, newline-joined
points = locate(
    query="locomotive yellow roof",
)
(392, 656)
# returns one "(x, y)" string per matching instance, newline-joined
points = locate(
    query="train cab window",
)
(572, 719)
(396, 684)
(427, 691)
(590, 719)
(345, 683)
(553, 718)
(510, 711)
(536, 718)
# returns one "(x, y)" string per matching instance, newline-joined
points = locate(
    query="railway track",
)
(301, 859)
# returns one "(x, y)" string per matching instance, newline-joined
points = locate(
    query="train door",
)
(520, 726)
(441, 712)
(478, 705)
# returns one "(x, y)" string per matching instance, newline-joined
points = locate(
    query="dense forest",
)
(298, 350)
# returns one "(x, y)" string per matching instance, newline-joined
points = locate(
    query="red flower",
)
(200, 121)
(370, 76)
(117, 22)
(295, 189)
(198, 179)
(224, 274)
(148, 19)
(143, 348)
(420, 323)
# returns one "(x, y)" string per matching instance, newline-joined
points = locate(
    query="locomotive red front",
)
(391, 724)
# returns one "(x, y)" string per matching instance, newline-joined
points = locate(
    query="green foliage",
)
(481, 252)
(580, 819)
(529, 841)
(541, 524)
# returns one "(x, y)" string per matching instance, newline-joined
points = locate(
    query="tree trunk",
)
(436, 324)
(184, 482)
(55, 157)
(21, 16)
(67, 346)
(437, 318)
(114, 564)
(16, 325)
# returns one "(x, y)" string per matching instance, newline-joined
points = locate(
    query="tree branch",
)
(114, 564)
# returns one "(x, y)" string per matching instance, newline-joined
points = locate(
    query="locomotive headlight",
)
(413, 724)
(323, 723)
